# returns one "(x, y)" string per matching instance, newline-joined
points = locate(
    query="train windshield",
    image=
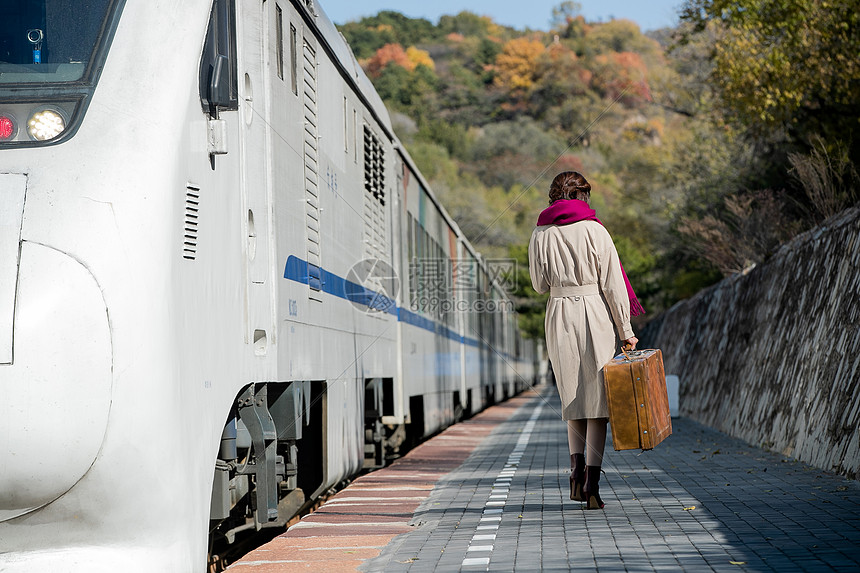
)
(52, 41)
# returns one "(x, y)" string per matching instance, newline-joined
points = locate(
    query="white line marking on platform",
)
(503, 482)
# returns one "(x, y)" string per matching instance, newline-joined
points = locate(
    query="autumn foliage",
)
(419, 58)
(674, 128)
(394, 54)
(517, 65)
(622, 76)
(387, 54)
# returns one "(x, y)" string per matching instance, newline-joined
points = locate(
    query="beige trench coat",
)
(587, 313)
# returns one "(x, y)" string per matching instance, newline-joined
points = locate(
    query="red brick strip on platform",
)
(359, 521)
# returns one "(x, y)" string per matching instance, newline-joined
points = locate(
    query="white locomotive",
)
(224, 286)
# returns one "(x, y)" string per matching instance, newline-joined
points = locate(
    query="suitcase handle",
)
(630, 355)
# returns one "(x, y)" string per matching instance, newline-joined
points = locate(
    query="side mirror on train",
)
(214, 94)
(218, 87)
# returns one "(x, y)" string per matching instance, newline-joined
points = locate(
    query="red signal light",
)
(7, 127)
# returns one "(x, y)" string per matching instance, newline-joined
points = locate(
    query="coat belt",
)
(574, 290)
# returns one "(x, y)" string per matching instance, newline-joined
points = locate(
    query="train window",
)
(294, 46)
(51, 55)
(218, 76)
(279, 32)
(50, 40)
(345, 125)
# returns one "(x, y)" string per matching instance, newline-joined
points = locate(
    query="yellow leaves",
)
(517, 64)
(420, 58)
(492, 29)
(771, 64)
(691, 508)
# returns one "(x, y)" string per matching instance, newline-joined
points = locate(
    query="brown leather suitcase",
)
(638, 401)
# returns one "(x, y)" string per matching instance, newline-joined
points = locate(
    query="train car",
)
(207, 316)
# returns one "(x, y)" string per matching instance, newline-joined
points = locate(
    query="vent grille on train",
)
(374, 197)
(374, 163)
(311, 154)
(190, 224)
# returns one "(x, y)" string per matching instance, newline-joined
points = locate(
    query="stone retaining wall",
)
(773, 356)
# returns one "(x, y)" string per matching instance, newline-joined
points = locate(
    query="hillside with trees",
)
(707, 145)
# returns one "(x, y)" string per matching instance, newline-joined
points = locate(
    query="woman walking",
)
(572, 256)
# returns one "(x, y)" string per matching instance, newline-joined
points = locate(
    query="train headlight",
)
(8, 127)
(46, 124)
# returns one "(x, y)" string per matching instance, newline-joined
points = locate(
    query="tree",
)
(620, 36)
(392, 84)
(785, 71)
(469, 24)
(420, 58)
(388, 27)
(496, 113)
(388, 54)
(487, 52)
(621, 75)
(564, 13)
(561, 77)
(517, 64)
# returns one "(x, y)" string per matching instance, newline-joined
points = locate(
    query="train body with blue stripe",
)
(225, 287)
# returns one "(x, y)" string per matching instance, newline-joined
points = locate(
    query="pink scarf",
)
(567, 211)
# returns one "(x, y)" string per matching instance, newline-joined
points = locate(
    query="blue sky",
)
(535, 14)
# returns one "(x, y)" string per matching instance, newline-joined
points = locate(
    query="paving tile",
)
(700, 501)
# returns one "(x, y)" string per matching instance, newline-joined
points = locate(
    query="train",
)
(225, 286)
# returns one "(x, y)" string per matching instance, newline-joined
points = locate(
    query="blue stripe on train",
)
(320, 279)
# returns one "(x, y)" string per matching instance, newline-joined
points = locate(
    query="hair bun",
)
(567, 184)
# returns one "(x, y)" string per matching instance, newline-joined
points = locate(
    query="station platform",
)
(491, 494)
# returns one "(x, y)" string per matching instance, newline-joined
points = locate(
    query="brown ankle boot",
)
(577, 476)
(591, 489)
